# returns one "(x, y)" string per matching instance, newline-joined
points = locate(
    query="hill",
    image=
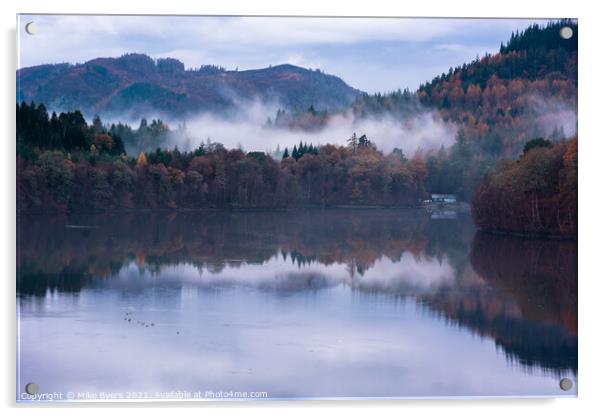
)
(137, 85)
(526, 90)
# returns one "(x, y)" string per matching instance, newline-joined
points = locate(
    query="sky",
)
(371, 54)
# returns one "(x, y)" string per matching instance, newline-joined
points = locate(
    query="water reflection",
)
(54, 256)
(520, 294)
(540, 276)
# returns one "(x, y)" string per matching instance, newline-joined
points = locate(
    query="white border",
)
(590, 201)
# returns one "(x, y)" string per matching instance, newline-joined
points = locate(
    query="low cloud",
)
(551, 114)
(248, 130)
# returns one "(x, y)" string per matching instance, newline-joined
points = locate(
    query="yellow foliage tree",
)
(142, 160)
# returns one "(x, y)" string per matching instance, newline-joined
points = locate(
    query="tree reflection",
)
(540, 276)
(521, 293)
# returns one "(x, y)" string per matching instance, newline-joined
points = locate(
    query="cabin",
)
(443, 198)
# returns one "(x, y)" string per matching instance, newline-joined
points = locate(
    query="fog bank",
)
(249, 131)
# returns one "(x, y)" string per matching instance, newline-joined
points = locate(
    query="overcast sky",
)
(372, 54)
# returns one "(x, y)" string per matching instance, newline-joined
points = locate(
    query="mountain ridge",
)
(136, 83)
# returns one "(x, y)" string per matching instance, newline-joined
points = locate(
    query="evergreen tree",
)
(363, 141)
(537, 142)
(352, 141)
(97, 126)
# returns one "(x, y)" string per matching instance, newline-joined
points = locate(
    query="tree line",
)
(87, 168)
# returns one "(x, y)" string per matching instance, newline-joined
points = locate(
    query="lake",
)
(332, 303)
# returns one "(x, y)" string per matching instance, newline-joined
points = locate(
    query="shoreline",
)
(532, 236)
(225, 209)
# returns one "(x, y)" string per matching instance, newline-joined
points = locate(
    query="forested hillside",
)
(136, 85)
(527, 90)
(498, 102)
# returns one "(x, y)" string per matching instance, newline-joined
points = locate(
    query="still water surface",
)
(315, 303)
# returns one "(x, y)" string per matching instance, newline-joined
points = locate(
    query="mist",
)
(248, 130)
(553, 114)
(423, 129)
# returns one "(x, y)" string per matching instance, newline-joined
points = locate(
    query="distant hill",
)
(135, 84)
(528, 89)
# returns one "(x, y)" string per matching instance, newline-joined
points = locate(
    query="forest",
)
(536, 194)
(526, 90)
(64, 164)
(501, 101)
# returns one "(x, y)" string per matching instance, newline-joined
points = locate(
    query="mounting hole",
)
(566, 384)
(31, 388)
(31, 28)
(566, 32)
